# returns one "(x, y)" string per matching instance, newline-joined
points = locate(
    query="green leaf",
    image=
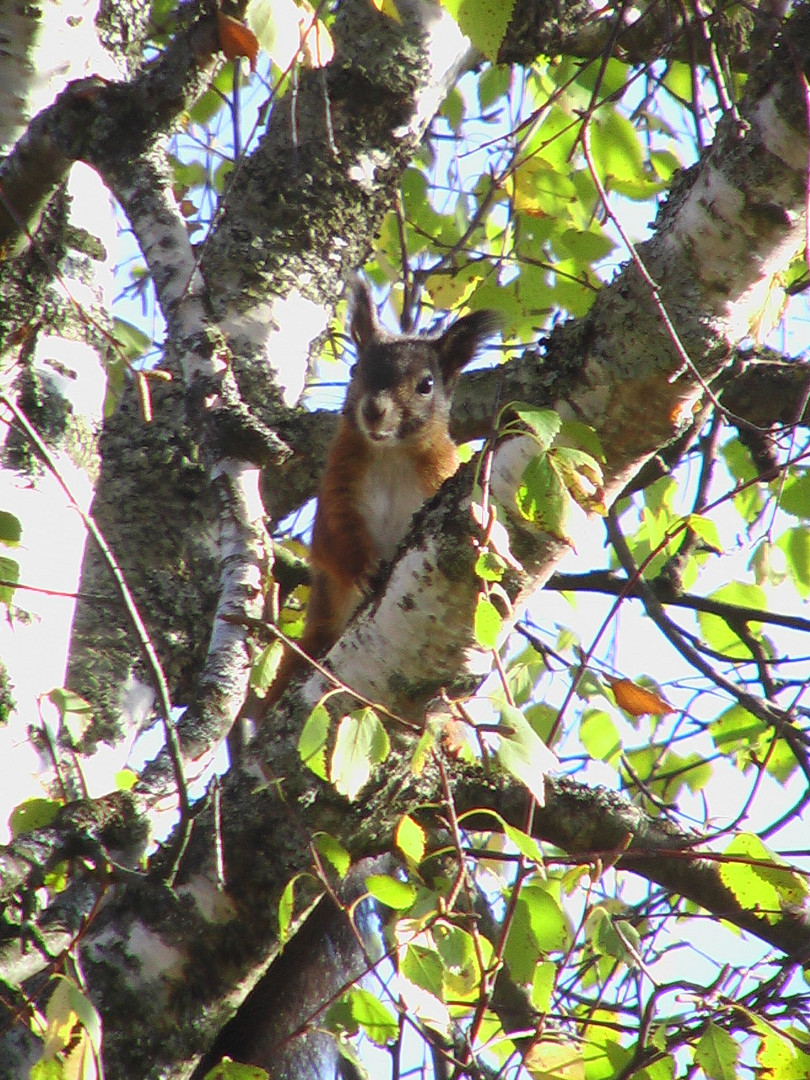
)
(780, 1058)
(522, 752)
(781, 763)
(286, 906)
(339, 1019)
(313, 739)
(767, 888)
(659, 497)
(265, 667)
(542, 497)
(346, 1049)
(132, 341)
(544, 424)
(487, 624)
(462, 974)
(371, 1016)
(490, 566)
(528, 846)
(75, 713)
(706, 529)
(56, 879)
(410, 839)
(523, 672)
(665, 163)
(717, 1053)
(423, 967)
(616, 147)
(582, 476)
(9, 571)
(739, 461)
(582, 437)
(539, 926)
(575, 289)
(544, 196)
(600, 736)
(10, 529)
(695, 771)
(86, 1012)
(493, 84)
(616, 938)
(334, 852)
(395, 894)
(228, 1069)
(663, 1069)
(586, 246)
(795, 497)
(453, 109)
(125, 780)
(205, 108)
(601, 78)
(285, 909)
(423, 750)
(604, 1055)
(543, 981)
(221, 174)
(52, 1069)
(67, 1007)
(716, 631)
(736, 729)
(678, 80)
(32, 814)
(361, 744)
(795, 543)
(483, 21)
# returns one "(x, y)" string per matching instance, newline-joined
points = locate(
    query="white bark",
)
(44, 47)
(70, 374)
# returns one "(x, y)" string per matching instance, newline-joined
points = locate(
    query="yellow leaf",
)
(449, 293)
(542, 191)
(548, 1060)
(389, 8)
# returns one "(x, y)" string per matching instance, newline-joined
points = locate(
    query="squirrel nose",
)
(373, 410)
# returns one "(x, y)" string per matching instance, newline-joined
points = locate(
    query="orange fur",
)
(392, 451)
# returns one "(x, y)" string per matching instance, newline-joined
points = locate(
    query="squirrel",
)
(391, 452)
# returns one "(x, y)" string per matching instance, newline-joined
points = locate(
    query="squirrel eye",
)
(425, 385)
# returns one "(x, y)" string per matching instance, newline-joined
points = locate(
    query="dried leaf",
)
(236, 39)
(636, 700)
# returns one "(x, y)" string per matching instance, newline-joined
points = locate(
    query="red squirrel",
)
(391, 452)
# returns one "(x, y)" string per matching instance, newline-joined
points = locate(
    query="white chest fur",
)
(391, 494)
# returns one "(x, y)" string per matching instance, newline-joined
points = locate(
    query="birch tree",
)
(383, 862)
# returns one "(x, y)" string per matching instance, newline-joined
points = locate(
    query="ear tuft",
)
(362, 321)
(461, 341)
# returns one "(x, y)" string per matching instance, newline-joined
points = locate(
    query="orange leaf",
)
(636, 700)
(236, 39)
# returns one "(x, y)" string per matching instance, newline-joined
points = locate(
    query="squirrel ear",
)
(363, 325)
(461, 341)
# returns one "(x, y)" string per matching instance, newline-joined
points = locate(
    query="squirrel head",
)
(401, 384)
